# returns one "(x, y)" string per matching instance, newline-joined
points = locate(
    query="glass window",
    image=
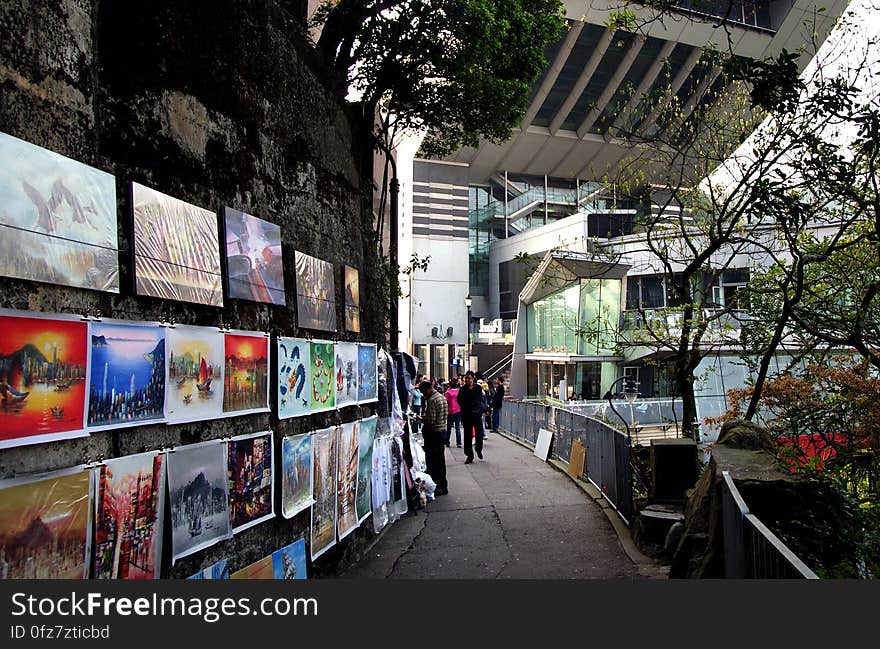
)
(653, 294)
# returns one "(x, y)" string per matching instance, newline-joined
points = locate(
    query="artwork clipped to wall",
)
(352, 299)
(323, 526)
(261, 569)
(347, 479)
(57, 220)
(288, 562)
(368, 384)
(251, 488)
(346, 374)
(381, 482)
(315, 293)
(366, 438)
(245, 373)
(194, 374)
(45, 525)
(218, 570)
(254, 268)
(43, 372)
(176, 249)
(130, 499)
(127, 374)
(323, 376)
(294, 377)
(297, 491)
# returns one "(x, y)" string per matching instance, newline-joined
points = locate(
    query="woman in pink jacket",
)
(453, 414)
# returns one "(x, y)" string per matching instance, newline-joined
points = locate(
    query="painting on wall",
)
(127, 377)
(323, 376)
(294, 377)
(381, 482)
(289, 562)
(315, 293)
(347, 480)
(249, 473)
(254, 268)
(218, 570)
(128, 517)
(323, 524)
(297, 492)
(366, 436)
(346, 374)
(261, 569)
(42, 378)
(245, 373)
(352, 299)
(57, 220)
(194, 374)
(199, 496)
(176, 249)
(45, 526)
(368, 384)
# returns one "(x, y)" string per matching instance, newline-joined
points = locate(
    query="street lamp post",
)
(630, 392)
(467, 348)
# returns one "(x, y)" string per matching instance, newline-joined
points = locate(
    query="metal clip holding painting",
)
(170, 324)
(223, 328)
(90, 316)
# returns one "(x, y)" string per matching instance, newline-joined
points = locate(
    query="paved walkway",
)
(508, 516)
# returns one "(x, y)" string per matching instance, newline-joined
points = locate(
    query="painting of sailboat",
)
(194, 374)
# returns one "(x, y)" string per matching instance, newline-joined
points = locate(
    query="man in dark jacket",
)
(470, 398)
(497, 402)
(434, 433)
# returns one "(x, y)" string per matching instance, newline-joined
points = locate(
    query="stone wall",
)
(217, 103)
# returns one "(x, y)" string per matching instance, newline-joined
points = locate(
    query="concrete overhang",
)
(561, 268)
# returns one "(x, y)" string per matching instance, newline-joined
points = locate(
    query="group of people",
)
(460, 404)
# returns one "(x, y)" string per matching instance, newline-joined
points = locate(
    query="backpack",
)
(484, 403)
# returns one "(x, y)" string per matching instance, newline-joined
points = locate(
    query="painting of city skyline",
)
(194, 374)
(218, 570)
(249, 472)
(42, 379)
(127, 378)
(289, 562)
(176, 249)
(352, 299)
(323, 525)
(296, 474)
(128, 525)
(294, 377)
(347, 480)
(199, 496)
(246, 373)
(366, 437)
(323, 376)
(57, 220)
(254, 268)
(368, 384)
(315, 293)
(346, 374)
(44, 527)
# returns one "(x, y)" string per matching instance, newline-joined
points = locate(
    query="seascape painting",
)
(290, 561)
(194, 374)
(366, 437)
(127, 378)
(315, 293)
(249, 472)
(368, 384)
(297, 491)
(57, 219)
(347, 480)
(42, 379)
(352, 300)
(294, 377)
(346, 374)
(176, 249)
(218, 570)
(246, 373)
(324, 445)
(254, 269)
(323, 376)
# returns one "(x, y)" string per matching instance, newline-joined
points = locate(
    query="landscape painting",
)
(366, 437)
(42, 379)
(323, 376)
(290, 561)
(347, 480)
(352, 300)
(346, 374)
(127, 378)
(57, 219)
(368, 384)
(128, 522)
(297, 491)
(254, 269)
(324, 510)
(44, 526)
(246, 373)
(294, 377)
(176, 249)
(315, 293)
(194, 383)
(261, 569)
(249, 474)
(218, 570)
(199, 497)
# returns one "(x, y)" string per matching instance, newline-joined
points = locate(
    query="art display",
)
(245, 373)
(127, 375)
(254, 268)
(366, 437)
(352, 299)
(176, 249)
(194, 374)
(129, 501)
(290, 561)
(398, 480)
(368, 384)
(249, 474)
(297, 492)
(294, 377)
(261, 569)
(323, 524)
(199, 496)
(323, 376)
(57, 220)
(219, 570)
(42, 378)
(45, 526)
(315, 293)
(347, 480)
(346, 374)
(381, 483)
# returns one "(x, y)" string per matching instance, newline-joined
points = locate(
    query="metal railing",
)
(751, 551)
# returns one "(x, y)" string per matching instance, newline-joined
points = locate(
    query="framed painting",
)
(254, 266)
(315, 293)
(352, 299)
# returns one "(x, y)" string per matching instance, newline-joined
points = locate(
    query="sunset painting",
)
(246, 373)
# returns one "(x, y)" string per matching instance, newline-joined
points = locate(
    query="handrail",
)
(497, 368)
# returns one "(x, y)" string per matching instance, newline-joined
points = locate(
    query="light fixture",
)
(468, 301)
(630, 391)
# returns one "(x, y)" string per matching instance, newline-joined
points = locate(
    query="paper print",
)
(246, 373)
(194, 384)
(324, 446)
(250, 480)
(346, 374)
(254, 268)
(347, 480)
(366, 436)
(315, 293)
(296, 474)
(352, 299)
(368, 385)
(219, 570)
(290, 561)
(261, 569)
(294, 377)
(323, 376)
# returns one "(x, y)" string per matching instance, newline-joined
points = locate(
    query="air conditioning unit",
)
(449, 332)
(434, 332)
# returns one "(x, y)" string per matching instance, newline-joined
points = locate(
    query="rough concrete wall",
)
(216, 103)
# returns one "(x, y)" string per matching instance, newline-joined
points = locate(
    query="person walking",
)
(470, 400)
(416, 403)
(453, 416)
(497, 403)
(433, 431)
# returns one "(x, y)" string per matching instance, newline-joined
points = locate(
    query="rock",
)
(745, 435)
